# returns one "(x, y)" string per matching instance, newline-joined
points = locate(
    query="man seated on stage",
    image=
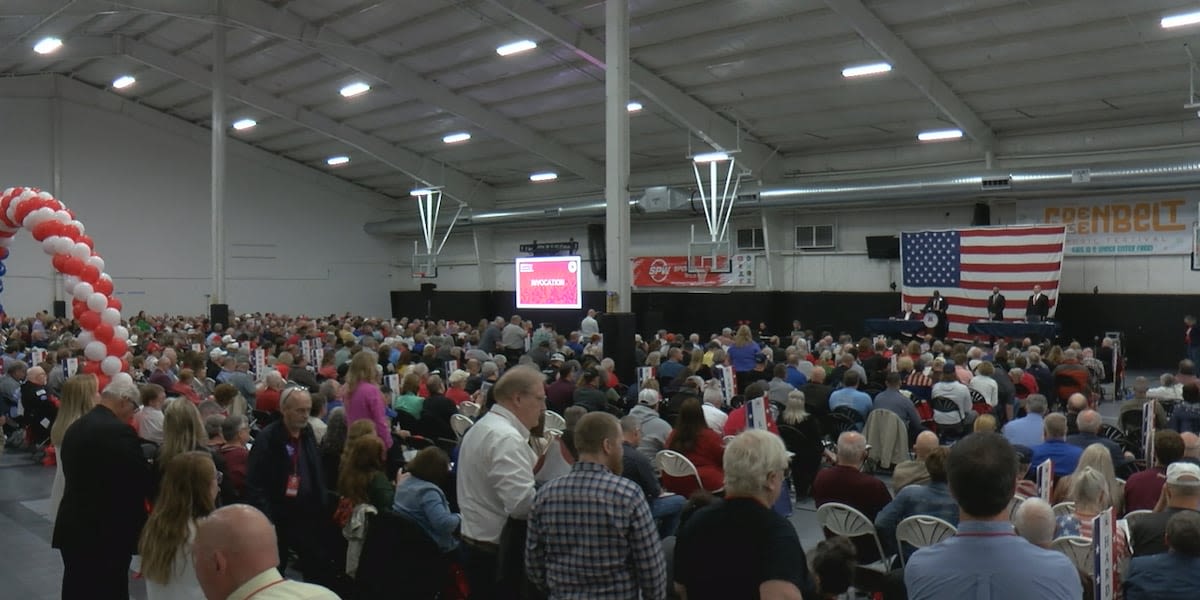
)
(912, 314)
(1037, 309)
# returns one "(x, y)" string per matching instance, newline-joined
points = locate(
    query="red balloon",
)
(90, 274)
(69, 230)
(45, 229)
(89, 319)
(103, 333)
(124, 366)
(104, 286)
(87, 239)
(113, 302)
(117, 347)
(91, 367)
(73, 266)
(23, 210)
(78, 307)
(59, 261)
(102, 380)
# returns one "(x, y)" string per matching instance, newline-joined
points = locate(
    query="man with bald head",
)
(847, 484)
(1089, 422)
(236, 556)
(1076, 403)
(912, 472)
(1191, 447)
(284, 479)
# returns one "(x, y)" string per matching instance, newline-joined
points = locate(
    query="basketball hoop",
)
(429, 205)
(717, 199)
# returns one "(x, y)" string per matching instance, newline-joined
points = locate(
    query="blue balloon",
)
(3, 270)
(1, 285)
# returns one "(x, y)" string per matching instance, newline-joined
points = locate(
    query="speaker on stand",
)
(982, 216)
(427, 290)
(218, 314)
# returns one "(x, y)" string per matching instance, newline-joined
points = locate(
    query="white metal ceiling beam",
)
(711, 127)
(454, 183)
(267, 19)
(28, 8)
(892, 48)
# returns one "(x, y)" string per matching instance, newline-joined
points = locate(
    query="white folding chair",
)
(460, 424)
(920, 531)
(677, 465)
(1078, 549)
(725, 440)
(1063, 509)
(1133, 514)
(468, 409)
(846, 520)
(1013, 505)
(555, 421)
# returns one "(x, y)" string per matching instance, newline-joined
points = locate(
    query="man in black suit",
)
(995, 305)
(938, 305)
(103, 507)
(1038, 307)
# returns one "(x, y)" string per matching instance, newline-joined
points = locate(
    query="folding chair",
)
(1013, 505)
(846, 520)
(948, 408)
(468, 409)
(677, 465)
(555, 421)
(460, 424)
(1078, 549)
(1063, 509)
(920, 531)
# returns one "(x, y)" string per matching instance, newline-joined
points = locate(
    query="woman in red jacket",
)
(701, 445)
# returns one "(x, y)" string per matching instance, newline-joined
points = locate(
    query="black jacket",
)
(435, 417)
(108, 483)
(269, 468)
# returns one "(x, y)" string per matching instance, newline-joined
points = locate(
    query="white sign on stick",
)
(1148, 427)
(1045, 479)
(1104, 569)
(756, 413)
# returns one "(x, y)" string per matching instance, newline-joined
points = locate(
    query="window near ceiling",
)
(751, 239)
(815, 237)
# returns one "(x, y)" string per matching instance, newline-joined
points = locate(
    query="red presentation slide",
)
(549, 282)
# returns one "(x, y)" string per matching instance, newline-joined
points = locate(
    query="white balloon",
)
(83, 291)
(110, 366)
(45, 196)
(69, 286)
(111, 316)
(12, 207)
(95, 261)
(7, 192)
(85, 337)
(37, 217)
(97, 301)
(61, 216)
(78, 225)
(48, 243)
(95, 351)
(80, 250)
(63, 245)
(120, 332)
(124, 378)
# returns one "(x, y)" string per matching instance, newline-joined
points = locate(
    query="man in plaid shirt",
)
(591, 534)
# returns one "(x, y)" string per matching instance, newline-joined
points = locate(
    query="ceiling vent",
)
(988, 184)
(661, 199)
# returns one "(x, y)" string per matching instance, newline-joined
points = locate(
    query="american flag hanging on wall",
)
(964, 264)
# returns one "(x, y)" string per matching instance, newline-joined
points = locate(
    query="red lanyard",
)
(296, 458)
(255, 592)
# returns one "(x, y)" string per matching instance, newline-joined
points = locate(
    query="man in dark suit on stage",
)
(995, 305)
(103, 507)
(912, 314)
(1038, 307)
(938, 305)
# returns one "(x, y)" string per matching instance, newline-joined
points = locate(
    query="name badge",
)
(293, 486)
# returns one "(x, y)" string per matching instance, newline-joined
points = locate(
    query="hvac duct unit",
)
(989, 184)
(662, 199)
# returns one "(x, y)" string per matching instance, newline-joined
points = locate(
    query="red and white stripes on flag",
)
(964, 265)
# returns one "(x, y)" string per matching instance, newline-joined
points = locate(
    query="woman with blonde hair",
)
(183, 431)
(801, 434)
(188, 493)
(1090, 491)
(362, 395)
(985, 423)
(1099, 458)
(80, 394)
(742, 351)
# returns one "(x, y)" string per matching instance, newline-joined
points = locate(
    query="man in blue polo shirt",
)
(1027, 431)
(848, 395)
(1056, 448)
(986, 559)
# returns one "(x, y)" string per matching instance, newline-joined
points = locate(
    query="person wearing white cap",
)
(654, 429)
(1181, 493)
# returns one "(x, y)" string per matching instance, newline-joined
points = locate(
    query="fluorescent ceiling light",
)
(242, 124)
(516, 47)
(711, 157)
(455, 138)
(47, 45)
(355, 89)
(123, 82)
(334, 161)
(421, 192)
(1180, 20)
(633, 106)
(940, 134)
(543, 177)
(862, 70)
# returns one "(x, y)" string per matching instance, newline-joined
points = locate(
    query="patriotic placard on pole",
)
(725, 375)
(1104, 569)
(756, 413)
(964, 265)
(1148, 427)
(644, 373)
(1045, 479)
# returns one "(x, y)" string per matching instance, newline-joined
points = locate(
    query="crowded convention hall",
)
(599, 300)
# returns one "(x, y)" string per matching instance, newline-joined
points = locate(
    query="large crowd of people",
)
(234, 454)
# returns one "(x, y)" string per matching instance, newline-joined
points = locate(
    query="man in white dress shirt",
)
(589, 325)
(495, 475)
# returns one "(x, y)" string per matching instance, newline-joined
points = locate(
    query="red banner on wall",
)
(672, 271)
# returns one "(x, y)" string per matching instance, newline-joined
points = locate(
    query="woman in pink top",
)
(363, 398)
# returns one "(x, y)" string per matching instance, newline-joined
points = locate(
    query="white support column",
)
(218, 158)
(56, 152)
(616, 142)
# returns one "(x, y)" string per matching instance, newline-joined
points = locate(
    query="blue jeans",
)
(666, 511)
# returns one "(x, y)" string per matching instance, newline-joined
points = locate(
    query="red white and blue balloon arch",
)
(105, 341)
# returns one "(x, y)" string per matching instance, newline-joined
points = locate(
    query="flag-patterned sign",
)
(964, 265)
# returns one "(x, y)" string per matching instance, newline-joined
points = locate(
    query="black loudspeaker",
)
(983, 214)
(597, 251)
(883, 246)
(618, 330)
(428, 288)
(218, 314)
(60, 309)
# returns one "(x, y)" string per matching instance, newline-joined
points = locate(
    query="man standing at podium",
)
(938, 305)
(995, 305)
(1038, 307)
